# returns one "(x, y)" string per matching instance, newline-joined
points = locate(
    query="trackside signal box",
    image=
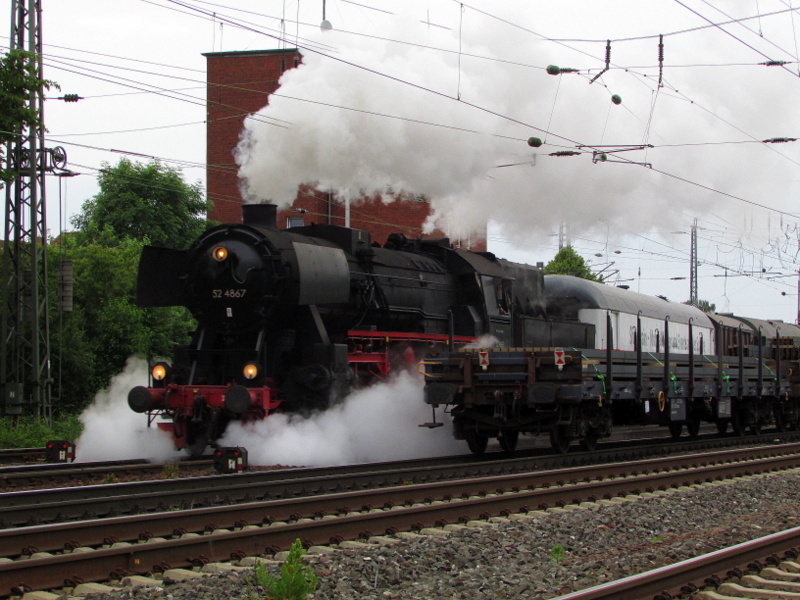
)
(59, 451)
(230, 460)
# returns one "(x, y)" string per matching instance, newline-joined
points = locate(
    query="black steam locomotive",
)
(292, 320)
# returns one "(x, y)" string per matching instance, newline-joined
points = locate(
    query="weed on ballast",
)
(296, 582)
(170, 471)
(557, 554)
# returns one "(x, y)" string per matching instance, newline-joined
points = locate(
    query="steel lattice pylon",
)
(25, 364)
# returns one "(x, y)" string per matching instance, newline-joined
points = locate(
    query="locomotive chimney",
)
(260, 215)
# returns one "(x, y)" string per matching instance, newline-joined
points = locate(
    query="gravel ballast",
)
(543, 556)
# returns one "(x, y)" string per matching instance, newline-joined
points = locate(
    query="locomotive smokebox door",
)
(230, 460)
(59, 451)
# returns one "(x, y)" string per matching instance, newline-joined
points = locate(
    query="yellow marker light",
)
(250, 371)
(159, 371)
(220, 253)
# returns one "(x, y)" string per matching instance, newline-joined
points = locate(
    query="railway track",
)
(111, 549)
(762, 568)
(19, 456)
(31, 507)
(54, 475)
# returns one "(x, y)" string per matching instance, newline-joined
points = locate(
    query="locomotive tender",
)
(292, 320)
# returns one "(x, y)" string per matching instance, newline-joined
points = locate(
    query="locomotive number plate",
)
(230, 293)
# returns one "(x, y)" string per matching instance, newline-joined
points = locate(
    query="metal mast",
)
(563, 235)
(693, 296)
(25, 363)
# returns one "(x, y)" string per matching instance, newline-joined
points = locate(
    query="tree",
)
(704, 305)
(144, 202)
(569, 262)
(18, 81)
(93, 342)
(137, 204)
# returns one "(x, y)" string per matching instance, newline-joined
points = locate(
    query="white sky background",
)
(476, 77)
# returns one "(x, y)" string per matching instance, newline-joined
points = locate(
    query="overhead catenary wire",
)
(509, 136)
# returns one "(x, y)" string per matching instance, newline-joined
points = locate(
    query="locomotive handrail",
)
(425, 373)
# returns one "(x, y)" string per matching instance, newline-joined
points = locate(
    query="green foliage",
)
(296, 582)
(170, 471)
(144, 202)
(557, 554)
(569, 262)
(703, 305)
(19, 81)
(92, 343)
(30, 432)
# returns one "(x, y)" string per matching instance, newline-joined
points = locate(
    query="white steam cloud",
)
(378, 423)
(112, 431)
(443, 114)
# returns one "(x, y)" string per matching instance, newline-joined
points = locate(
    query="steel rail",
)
(86, 502)
(682, 577)
(157, 555)
(20, 455)
(53, 473)
(536, 490)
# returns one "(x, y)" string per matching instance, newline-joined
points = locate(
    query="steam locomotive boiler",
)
(292, 319)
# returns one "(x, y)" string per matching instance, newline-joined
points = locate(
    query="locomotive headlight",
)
(220, 253)
(250, 371)
(159, 371)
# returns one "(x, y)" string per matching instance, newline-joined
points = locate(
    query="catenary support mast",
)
(25, 365)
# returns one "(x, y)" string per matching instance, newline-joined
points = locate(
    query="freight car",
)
(650, 361)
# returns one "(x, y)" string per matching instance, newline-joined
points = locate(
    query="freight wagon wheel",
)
(755, 428)
(559, 439)
(739, 427)
(477, 442)
(781, 423)
(693, 427)
(722, 426)
(589, 441)
(675, 430)
(508, 440)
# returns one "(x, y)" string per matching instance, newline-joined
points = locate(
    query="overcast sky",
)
(440, 98)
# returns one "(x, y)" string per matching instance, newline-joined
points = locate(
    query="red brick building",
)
(239, 84)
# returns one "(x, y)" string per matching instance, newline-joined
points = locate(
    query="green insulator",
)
(553, 70)
(534, 142)
(616, 99)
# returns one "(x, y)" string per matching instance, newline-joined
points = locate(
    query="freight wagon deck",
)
(578, 395)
